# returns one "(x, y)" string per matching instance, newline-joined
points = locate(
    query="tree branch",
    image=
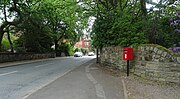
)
(125, 5)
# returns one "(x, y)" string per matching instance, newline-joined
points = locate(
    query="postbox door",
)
(127, 54)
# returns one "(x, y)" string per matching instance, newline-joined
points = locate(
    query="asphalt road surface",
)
(59, 78)
(18, 81)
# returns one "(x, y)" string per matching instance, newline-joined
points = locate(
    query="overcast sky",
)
(149, 5)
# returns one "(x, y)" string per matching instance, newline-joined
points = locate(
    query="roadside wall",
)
(151, 62)
(8, 57)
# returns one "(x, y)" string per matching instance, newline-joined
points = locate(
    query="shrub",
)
(66, 48)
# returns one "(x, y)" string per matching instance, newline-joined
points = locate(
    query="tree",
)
(8, 8)
(61, 18)
(23, 16)
(43, 22)
(35, 33)
(158, 29)
(129, 22)
(119, 23)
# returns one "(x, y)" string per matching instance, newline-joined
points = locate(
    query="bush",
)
(84, 50)
(5, 45)
(77, 50)
(66, 48)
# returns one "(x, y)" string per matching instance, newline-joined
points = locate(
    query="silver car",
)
(91, 54)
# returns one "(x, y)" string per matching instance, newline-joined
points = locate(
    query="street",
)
(18, 81)
(24, 80)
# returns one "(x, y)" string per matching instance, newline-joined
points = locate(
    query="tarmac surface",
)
(85, 82)
(92, 81)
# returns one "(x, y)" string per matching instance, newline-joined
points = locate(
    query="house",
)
(83, 43)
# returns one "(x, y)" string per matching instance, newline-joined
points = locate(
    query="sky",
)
(149, 5)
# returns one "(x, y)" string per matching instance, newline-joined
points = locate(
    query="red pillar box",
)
(128, 53)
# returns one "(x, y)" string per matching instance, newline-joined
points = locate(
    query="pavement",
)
(92, 81)
(139, 88)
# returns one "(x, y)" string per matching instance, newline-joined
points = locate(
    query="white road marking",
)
(40, 87)
(99, 91)
(99, 88)
(91, 78)
(8, 73)
(95, 68)
(43, 65)
(125, 91)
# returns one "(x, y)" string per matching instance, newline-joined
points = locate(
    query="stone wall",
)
(8, 57)
(112, 56)
(150, 62)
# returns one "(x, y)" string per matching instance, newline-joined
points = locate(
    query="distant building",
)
(83, 43)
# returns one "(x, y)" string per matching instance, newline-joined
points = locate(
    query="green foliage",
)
(127, 33)
(84, 50)
(129, 24)
(77, 50)
(178, 8)
(118, 29)
(43, 23)
(167, 37)
(66, 48)
(5, 44)
(36, 37)
(159, 31)
(19, 44)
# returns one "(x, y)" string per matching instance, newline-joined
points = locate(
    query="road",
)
(18, 81)
(59, 78)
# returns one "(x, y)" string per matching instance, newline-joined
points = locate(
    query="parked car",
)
(78, 54)
(91, 54)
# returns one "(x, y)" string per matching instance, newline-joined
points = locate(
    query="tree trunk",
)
(1, 37)
(56, 45)
(143, 7)
(10, 42)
